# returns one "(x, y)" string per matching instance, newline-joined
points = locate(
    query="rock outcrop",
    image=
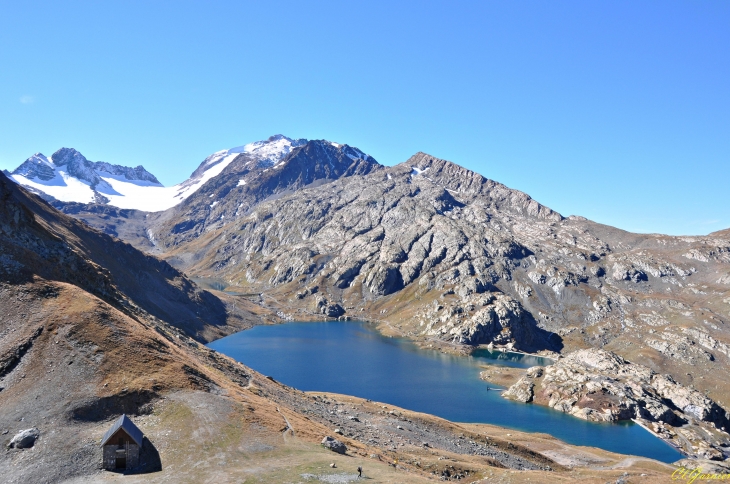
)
(602, 386)
(484, 318)
(326, 308)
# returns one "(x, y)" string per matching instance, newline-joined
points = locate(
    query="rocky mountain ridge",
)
(365, 236)
(250, 178)
(69, 179)
(445, 256)
(38, 166)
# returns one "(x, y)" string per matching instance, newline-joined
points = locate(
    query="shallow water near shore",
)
(352, 358)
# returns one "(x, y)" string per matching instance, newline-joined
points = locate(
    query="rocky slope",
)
(38, 241)
(365, 239)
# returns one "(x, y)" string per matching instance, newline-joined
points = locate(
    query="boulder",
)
(334, 310)
(24, 439)
(334, 445)
(522, 391)
(323, 306)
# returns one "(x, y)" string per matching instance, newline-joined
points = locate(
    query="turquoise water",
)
(353, 359)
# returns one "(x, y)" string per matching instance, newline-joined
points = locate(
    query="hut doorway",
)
(121, 463)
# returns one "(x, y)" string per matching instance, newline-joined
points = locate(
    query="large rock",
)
(690, 401)
(522, 391)
(323, 306)
(611, 388)
(334, 445)
(25, 438)
(334, 310)
(483, 318)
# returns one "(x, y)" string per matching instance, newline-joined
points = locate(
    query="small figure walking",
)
(359, 472)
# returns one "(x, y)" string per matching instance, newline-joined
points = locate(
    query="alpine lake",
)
(352, 358)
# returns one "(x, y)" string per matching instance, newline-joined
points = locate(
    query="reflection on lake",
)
(352, 358)
(207, 283)
(507, 358)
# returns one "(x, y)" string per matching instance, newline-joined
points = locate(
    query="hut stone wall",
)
(130, 452)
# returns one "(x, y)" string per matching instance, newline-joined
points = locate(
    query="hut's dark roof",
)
(123, 422)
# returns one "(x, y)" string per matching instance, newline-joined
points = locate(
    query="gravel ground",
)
(396, 430)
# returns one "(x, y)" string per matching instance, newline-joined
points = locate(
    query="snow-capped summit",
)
(37, 166)
(76, 165)
(70, 161)
(69, 177)
(272, 150)
(267, 152)
(264, 153)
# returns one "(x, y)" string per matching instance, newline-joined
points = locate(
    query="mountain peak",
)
(69, 176)
(64, 156)
(272, 150)
(462, 180)
(278, 137)
(269, 151)
(37, 166)
(76, 165)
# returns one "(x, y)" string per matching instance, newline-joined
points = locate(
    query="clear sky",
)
(617, 111)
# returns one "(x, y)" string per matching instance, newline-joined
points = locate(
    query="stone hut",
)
(121, 444)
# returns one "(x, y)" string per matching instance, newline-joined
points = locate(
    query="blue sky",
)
(617, 111)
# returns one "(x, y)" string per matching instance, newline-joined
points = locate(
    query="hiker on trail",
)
(359, 471)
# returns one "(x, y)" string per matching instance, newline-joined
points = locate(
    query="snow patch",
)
(241, 182)
(272, 150)
(61, 187)
(151, 237)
